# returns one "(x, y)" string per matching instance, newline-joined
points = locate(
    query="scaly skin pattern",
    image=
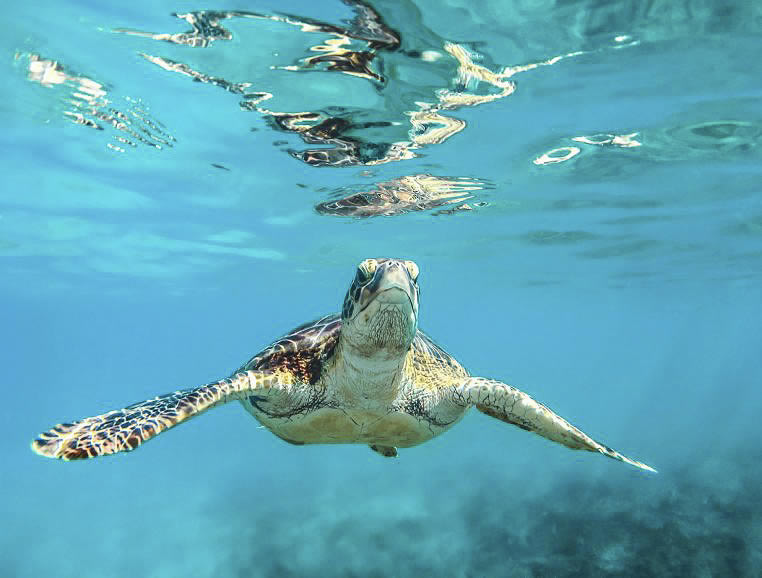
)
(513, 406)
(367, 376)
(320, 413)
(283, 387)
(125, 429)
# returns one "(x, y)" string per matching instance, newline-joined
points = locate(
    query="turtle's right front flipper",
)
(513, 406)
(125, 429)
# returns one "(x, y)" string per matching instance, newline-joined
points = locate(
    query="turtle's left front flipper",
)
(125, 429)
(513, 406)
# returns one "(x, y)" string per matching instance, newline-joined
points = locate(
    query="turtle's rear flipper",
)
(513, 406)
(125, 429)
(386, 451)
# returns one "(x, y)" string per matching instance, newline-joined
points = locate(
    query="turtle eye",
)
(412, 268)
(370, 266)
(365, 270)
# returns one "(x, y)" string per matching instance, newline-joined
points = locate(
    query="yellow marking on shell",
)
(284, 377)
(430, 371)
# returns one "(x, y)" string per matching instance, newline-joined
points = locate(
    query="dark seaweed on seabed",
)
(684, 523)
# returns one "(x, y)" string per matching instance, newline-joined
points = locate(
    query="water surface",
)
(579, 183)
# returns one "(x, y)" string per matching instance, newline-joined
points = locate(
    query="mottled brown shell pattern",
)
(302, 353)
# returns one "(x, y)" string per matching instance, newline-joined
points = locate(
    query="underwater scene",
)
(468, 203)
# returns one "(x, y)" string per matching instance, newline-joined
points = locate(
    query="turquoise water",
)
(578, 181)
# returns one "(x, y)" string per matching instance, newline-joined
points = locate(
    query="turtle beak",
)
(392, 284)
(382, 316)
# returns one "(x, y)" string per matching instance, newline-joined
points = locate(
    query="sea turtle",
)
(366, 375)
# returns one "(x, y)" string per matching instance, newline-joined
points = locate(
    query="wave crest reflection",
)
(87, 103)
(416, 78)
(405, 194)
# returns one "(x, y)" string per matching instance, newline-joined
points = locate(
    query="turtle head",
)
(380, 314)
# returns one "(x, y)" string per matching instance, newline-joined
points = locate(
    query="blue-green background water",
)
(621, 287)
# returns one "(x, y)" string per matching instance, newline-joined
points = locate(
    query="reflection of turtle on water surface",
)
(406, 194)
(366, 376)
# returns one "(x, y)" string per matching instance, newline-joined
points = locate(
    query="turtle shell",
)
(302, 352)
